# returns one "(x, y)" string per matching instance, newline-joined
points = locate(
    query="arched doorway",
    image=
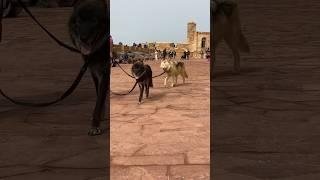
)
(203, 42)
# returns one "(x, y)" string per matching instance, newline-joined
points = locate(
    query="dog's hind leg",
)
(174, 81)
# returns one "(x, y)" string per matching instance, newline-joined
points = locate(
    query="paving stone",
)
(139, 172)
(149, 160)
(196, 172)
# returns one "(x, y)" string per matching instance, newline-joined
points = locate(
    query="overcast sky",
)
(157, 20)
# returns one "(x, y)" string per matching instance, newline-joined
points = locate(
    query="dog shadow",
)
(154, 97)
(181, 84)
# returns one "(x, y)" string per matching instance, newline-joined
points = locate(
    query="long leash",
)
(72, 49)
(134, 77)
(124, 94)
(75, 82)
(66, 93)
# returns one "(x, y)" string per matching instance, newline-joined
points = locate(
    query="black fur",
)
(88, 28)
(143, 73)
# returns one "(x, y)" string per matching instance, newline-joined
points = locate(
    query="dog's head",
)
(88, 25)
(165, 65)
(137, 69)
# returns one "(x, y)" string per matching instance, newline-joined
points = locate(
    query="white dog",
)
(173, 70)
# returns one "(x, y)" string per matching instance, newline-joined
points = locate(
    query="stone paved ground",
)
(168, 135)
(45, 143)
(267, 119)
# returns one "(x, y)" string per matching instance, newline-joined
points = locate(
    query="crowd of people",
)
(158, 54)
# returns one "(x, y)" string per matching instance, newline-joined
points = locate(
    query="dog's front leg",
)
(147, 90)
(101, 79)
(165, 81)
(141, 86)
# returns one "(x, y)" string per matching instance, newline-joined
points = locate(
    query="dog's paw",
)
(95, 131)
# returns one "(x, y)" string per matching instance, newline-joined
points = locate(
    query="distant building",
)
(196, 42)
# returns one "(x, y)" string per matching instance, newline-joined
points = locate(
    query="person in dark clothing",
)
(185, 55)
(188, 55)
(164, 53)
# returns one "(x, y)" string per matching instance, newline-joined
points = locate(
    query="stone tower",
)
(191, 34)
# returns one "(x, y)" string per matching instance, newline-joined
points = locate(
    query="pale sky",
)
(156, 20)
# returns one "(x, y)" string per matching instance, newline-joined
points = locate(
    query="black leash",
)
(124, 94)
(158, 75)
(134, 77)
(75, 82)
(66, 94)
(124, 70)
(43, 28)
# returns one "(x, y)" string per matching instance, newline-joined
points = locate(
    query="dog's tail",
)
(151, 80)
(183, 67)
(151, 83)
(185, 74)
(243, 43)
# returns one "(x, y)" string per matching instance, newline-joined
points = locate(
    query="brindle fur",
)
(88, 28)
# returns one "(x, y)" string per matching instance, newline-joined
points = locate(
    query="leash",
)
(133, 76)
(66, 93)
(134, 86)
(124, 94)
(73, 85)
(72, 49)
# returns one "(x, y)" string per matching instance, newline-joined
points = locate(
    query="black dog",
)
(88, 30)
(143, 74)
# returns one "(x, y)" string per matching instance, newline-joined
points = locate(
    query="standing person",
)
(156, 55)
(164, 53)
(110, 52)
(187, 54)
(208, 54)
(174, 54)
